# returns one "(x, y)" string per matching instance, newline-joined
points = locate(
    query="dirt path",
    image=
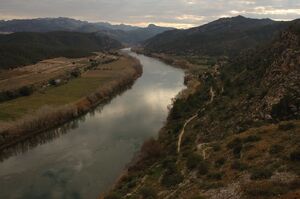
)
(212, 96)
(183, 130)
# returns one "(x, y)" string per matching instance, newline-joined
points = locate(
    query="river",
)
(85, 157)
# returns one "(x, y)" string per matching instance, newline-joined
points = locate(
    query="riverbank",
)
(153, 148)
(58, 105)
(220, 142)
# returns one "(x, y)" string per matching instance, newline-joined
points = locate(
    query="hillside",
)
(225, 36)
(26, 48)
(237, 136)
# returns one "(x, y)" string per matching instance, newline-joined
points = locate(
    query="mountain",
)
(124, 33)
(225, 36)
(241, 132)
(41, 25)
(19, 49)
(142, 34)
(135, 36)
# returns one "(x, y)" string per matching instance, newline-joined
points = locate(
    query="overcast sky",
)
(176, 13)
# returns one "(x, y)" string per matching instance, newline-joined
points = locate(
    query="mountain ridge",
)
(131, 34)
(225, 36)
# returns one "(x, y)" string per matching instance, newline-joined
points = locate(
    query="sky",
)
(171, 13)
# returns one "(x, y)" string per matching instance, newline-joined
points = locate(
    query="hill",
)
(225, 36)
(236, 136)
(27, 48)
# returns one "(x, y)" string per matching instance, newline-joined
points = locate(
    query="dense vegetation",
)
(27, 48)
(226, 36)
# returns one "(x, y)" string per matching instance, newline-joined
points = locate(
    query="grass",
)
(64, 94)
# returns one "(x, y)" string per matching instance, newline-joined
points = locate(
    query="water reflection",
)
(42, 138)
(89, 158)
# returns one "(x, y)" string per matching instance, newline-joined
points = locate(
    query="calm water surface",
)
(86, 156)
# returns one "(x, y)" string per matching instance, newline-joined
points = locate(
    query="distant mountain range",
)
(124, 33)
(225, 36)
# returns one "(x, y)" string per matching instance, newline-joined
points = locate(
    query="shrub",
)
(203, 168)
(220, 162)
(216, 147)
(171, 179)
(252, 138)
(148, 193)
(215, 176)
(237, 165)
(275, 149)
(260, 174)
(295, 155)
(26, 91)
(237, 151)
(286, 127)
(52, 82)
(236, 142)
(75, 73)
(193, 161)
(151, 149)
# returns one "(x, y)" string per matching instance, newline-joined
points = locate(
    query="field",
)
(69, 92)
(42, 72)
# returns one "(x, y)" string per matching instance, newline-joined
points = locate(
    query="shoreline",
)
(24, 129)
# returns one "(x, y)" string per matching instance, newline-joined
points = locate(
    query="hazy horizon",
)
(141, 26)
(171, 13)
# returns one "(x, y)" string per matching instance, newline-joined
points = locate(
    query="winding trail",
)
(212, 96)
(183, 130)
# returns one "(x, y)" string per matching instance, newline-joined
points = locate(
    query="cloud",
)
(177, 13)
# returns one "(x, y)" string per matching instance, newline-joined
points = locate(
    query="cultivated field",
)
(39, 74)
(71, 91)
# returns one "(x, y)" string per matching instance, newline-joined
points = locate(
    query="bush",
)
(216, 147)
(237, 165)
(295, 155)
(236, 142)
(252, 138)
(260, 174)
(286, 127)
(75, 73)
(52, 82)
(203, 168)
(237, 151)
(275, 149)
(220, 162)
(148, 193)
(193, 161)
(151, 149)
(171, 179)
(215, 176)
(26, 91)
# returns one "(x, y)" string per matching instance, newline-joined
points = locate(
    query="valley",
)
(205, 112)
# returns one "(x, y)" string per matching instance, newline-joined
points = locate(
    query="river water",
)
(86, 156)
